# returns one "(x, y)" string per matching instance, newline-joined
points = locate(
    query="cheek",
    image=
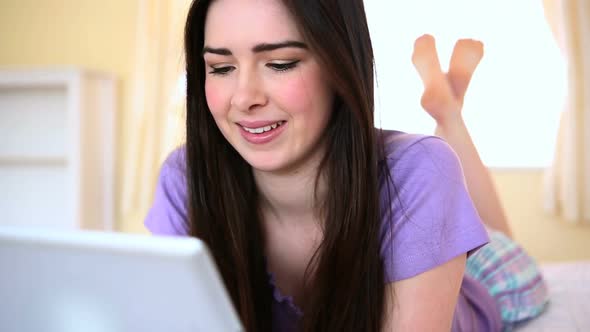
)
(304, 94)
(216, 99)
(295, 96)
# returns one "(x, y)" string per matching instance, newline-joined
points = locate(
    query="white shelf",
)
(37, 197)
(33, 120)
(33, 161)
(57, 148)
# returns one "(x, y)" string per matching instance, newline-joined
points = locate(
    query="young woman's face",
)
(264, 87)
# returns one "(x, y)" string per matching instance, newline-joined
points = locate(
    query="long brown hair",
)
(346, 290)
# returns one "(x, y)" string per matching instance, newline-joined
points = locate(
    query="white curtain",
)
(155, 123)
(567, 193)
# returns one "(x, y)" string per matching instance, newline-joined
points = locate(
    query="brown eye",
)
(221, 70)
(283, 66)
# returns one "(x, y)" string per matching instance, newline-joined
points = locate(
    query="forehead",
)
(231, 23)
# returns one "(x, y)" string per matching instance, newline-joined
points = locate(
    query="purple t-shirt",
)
(431, 220)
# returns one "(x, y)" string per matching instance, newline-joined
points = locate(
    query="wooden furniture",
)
(57, 148)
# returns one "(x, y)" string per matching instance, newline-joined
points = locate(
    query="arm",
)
(425, 302)
(443, 100)
(432, 227)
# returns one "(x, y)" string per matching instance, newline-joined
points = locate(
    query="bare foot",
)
(438, 96)
(466, 56)
(425, 59)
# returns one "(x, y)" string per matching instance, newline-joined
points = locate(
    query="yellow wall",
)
(547, 238)
(92, 34)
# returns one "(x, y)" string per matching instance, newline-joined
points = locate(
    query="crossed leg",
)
(443, 98)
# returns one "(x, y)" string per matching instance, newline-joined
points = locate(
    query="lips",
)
(258, 124)
(262, 129)
(261, 132)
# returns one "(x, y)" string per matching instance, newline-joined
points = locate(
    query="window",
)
(513, 104)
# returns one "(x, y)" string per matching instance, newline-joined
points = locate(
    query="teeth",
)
(261, 130)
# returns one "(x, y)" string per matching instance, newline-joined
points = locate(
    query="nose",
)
(249, 93)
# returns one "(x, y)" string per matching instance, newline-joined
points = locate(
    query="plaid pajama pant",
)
(512, 278)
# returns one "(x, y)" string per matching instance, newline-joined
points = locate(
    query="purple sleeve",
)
(432, 218)
(168, 214)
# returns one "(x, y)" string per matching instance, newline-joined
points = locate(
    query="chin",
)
(266, 161)
(265, 165)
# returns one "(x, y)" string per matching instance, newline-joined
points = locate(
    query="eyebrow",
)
(264, 47)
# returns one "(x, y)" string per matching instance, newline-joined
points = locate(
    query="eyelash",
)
(283, 67)
(220, 70)
(279, 67)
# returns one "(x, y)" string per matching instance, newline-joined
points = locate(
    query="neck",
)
(290, 196)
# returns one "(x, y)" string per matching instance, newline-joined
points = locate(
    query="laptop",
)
(90, 281)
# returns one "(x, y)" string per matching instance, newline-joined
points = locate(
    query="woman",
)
(316, 220)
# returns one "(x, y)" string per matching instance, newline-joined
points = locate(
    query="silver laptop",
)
(86, 281)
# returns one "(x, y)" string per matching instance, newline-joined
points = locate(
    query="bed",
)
(569, 309)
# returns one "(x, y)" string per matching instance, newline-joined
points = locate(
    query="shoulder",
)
(408, 156)
(169, 213)
(404, 148)
(172, 175)
(175, 162)
(419, 166)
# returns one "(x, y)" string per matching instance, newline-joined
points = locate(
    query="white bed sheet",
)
(569, 308)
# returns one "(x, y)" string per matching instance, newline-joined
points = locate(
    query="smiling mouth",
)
(261, 130)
